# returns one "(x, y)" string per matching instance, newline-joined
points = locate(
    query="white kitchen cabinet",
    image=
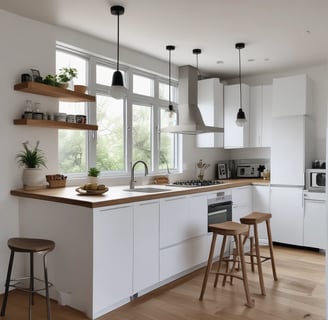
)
(290, 150)
(287, 214)
(260, 116)
(113, 255)
(234, 136)
(314, 222)
(184, 256)
(184, 240)
(261, 203)
(210, 104)
(241, 202)
(146, 245)
(291, 96)
(182, 218)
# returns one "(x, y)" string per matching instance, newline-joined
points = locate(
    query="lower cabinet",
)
(113, 256)
(241, 202)
(261, 203)
(184, 240)
(146, 245)
(183, 256)
(287, 214)
(315, 224)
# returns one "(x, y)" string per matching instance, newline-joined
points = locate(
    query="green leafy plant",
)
(93, 172)
(66, 74)
(51, 80)
(31, 158)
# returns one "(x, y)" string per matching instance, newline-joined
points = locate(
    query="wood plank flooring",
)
(299, 294)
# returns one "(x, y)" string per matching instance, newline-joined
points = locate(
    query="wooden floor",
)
(299, 294)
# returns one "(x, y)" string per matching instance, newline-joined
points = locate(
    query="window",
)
(128, 129)
(143, 85)
(141, 134)
(72, 144)
(110, 153)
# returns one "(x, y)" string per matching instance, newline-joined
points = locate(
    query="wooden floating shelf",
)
(55, 124)
(55, 92)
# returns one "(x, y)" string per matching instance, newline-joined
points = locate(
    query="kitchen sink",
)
(147, 190)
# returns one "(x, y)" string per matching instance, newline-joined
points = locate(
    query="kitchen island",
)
(114, 247)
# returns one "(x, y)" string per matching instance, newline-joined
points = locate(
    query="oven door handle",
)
(216, 212)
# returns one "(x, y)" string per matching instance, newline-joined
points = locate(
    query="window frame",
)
(155, 102)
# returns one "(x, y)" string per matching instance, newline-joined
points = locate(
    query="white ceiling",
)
(279, 34)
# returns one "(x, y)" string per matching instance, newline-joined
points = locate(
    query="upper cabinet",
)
(291, 95)
(234, 136)
(260, 116)
(210, 104)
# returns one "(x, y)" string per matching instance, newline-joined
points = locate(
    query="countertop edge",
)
(68, 195)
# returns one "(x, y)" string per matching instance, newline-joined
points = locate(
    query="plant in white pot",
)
(93, 174)
(32, 159)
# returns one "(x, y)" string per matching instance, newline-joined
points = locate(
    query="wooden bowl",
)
(80, 88)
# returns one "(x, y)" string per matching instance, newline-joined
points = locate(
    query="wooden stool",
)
(253, 219)
(235, 230)
(31, 246)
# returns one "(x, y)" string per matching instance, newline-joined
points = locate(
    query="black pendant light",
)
(241, 118)
(117, 90)
(170, 108)
(197, 52)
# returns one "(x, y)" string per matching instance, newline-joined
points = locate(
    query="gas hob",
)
(195, 183)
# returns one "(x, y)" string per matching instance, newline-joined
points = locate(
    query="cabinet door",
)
(290, 96)
(261, 203)
(113, 254)
(234, 136)
(288, 151)
(182, 218)
(255, 119)
(266, 116)
(315, 224)
(146, 245)
(173, 217)
(210, 104)
(287, 215)
(242, 202)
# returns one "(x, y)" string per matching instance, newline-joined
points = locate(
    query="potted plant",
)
(32, 159)
(66, 75)
(93, 174)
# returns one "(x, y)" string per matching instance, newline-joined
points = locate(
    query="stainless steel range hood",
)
(190, 118)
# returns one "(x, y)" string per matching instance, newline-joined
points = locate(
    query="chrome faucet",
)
(132, 181)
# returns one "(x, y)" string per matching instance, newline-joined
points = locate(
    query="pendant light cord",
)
(169, 77)
(118, 43)
(240, 91)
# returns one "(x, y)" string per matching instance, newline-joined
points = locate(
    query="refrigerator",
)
(290, 156)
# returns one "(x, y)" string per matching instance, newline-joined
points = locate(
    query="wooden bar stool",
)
(253, 219)
(236, 230)
(31, 246)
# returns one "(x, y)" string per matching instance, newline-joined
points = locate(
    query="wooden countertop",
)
(116, 195)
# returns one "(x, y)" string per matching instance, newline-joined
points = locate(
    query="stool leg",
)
(223, 245)
(258, 259)
(46, 285)
(209, 266)
(251, 243)
(5, 298)
(240, 250)
(271, 250)
(31, 293)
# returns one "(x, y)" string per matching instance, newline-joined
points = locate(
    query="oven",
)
(219, 207)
